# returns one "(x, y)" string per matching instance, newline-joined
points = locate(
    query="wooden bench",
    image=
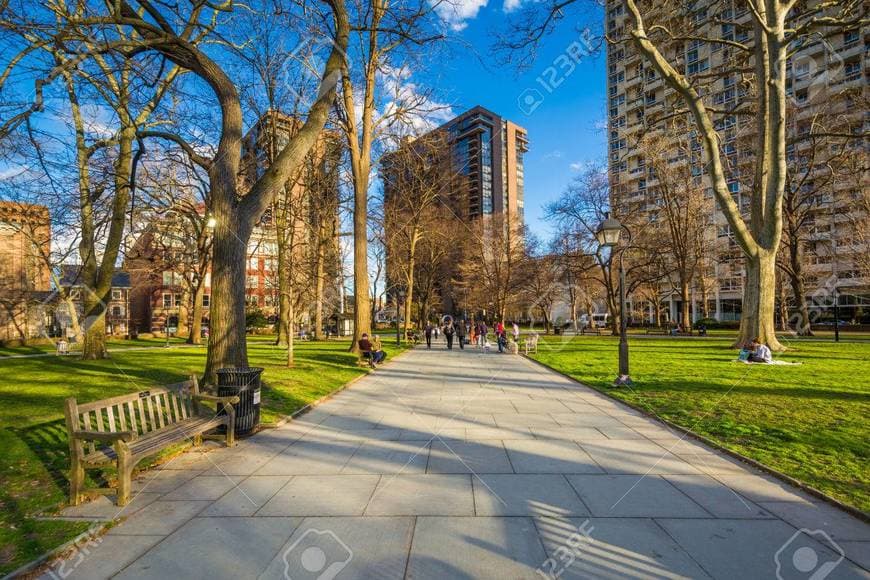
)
(531, 344)
(124, 430)
(595, 330)
(657, 330)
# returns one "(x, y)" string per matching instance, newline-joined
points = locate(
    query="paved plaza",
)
(458, 465)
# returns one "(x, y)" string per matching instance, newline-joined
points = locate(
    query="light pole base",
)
(622, 381)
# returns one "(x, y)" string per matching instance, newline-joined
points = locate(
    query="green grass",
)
(808, 421)
(34, 462)
(47, 346)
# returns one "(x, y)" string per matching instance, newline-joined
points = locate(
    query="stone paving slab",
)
(634, 496)
(215, 548)
(361, 548)
(463, 465)
(466, 548)
(526, 495)
(322, 495)
(613, 548)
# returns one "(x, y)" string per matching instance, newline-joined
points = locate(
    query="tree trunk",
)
(685, 317)
(283, 273)
(759, 302)
(409, 297)
(783, 308)
(94, 345)
(318, 292)
(195, 336)
(227, 345)
(362, 320)
(291, 326)
(798, 288)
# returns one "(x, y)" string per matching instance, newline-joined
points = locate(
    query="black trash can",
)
(245, 383)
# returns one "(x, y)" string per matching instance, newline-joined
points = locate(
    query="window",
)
(851, 37)
(852, 70)
(698, 67)
(801, 96)
(116, 294)
(167, 300)
(206, 300)
(253, 281)
(117, 311)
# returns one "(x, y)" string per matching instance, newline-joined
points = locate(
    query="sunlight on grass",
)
(809, 420)
(34, 464)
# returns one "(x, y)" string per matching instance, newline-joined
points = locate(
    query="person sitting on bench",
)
(759, 353)
(369, 351)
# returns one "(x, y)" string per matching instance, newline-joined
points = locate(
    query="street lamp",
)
(400, 296)
(608, 235)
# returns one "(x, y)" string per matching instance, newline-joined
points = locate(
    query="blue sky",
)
(565, 127)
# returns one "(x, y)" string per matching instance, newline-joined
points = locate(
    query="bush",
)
(255, 319)
(713, 324)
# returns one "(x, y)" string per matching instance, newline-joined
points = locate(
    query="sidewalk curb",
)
(851, 510)
(39, 564)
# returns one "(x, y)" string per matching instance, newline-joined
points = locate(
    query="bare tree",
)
(758, 54)
(417, 179)
(678, 199)
(385, 34)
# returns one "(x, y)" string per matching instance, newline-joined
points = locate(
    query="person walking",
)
(428, 333)
(473, 333)
(460, 334)
(516, 330)
(449, 331)
(481, 334)
(436, 332)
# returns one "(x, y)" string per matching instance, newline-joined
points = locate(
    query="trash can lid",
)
(240, 369)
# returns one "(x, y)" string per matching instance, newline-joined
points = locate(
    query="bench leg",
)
(76, 481)
(125, 476)
(197, 440)
(231, 425)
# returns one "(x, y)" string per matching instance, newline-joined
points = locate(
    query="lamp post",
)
(608, 235)
(400, 295)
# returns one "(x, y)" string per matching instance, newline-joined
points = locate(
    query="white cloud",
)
(511, 5)
(555, 154)
(456, 13)
(576, 166)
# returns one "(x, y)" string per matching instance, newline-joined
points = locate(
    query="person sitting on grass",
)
(759, 353)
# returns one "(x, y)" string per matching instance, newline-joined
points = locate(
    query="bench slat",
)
(143, 419)
(158, 411)
(175, 410)
(122, 418)
(132, 412)
(110, 415)
(149, 406)
(86, 421)
(99, 415)
(102, 404)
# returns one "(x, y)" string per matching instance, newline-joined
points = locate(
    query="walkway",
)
(460, 465)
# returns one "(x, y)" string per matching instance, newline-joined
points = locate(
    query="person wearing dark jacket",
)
(460, 333)
(449, 331)
(428, 333)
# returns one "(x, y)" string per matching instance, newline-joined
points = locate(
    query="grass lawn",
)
(34, 464)
(809, 421)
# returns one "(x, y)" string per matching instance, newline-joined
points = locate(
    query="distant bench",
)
(124, 430)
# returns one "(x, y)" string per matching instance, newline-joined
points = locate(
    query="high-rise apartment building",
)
(487, 152)
(827, 83)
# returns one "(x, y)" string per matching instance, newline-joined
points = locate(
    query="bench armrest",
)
(233, 399)
(109, 437)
